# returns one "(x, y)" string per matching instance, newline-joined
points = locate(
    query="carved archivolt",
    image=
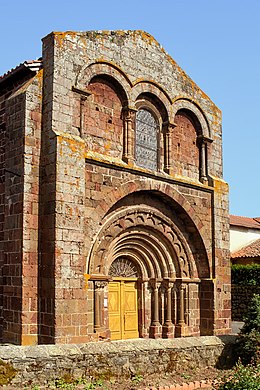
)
(145, 237)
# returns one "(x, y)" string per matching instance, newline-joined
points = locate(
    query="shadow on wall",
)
(227, 358)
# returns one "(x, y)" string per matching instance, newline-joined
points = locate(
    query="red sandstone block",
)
(83, 330)
(33, 329)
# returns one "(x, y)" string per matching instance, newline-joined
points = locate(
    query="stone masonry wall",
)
(7, 88)
(140, 59)
(106, 186)
(39, 364)
(12, 270)
(102, 118)
(31, 191)
(23, 113)
(220, 239)
(62, 208)
(185, 147)
(71, 61)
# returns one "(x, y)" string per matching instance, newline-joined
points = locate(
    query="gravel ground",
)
(136, 382)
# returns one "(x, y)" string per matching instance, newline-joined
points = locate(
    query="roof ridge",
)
(242, 216)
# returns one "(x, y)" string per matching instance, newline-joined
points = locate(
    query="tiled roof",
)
(32, 65)
(251, 250)
(253, 223)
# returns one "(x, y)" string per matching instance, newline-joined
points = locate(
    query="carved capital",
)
(82, 92)
(155, 283)
(169, 126)
(100, 284)
(202, 139)
(129, 113)
(167, 284)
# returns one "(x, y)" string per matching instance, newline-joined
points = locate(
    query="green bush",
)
(247, 377)
(248, 344)
(248, 347)
(242, 378)
(246, 275)
(252, 318)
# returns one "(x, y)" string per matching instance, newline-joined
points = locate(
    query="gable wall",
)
(75, 167)
(72, 60)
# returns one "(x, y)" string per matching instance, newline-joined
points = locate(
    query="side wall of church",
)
(20, 136)
(6, 90)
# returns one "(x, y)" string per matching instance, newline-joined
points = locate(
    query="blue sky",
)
(216, 42)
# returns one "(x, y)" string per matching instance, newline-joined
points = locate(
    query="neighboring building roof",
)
(32, 65)
(251, 250)
(253, 223)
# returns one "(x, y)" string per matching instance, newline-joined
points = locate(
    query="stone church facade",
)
(114, 214)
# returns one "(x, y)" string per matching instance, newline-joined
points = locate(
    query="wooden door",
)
(123, 311)
(114, 310)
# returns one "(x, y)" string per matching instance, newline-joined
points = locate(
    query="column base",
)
(128, 160)
(204, 180)
(144, 334)
(181, 330)
(155, 332)
(168, 331)
(169, 170)
(102, 334)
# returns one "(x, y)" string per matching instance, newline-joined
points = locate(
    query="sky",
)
(216, 42)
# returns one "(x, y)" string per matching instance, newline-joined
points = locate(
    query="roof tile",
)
(251, 250)
(253, 223)
(33, 65)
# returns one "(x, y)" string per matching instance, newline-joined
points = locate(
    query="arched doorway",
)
(153, 284)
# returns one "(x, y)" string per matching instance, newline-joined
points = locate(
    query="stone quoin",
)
(114, 219)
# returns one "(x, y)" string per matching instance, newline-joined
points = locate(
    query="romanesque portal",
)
(152, 284)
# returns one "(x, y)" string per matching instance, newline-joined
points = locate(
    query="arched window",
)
(146, 140)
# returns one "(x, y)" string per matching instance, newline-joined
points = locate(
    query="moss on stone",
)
(7, 373)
